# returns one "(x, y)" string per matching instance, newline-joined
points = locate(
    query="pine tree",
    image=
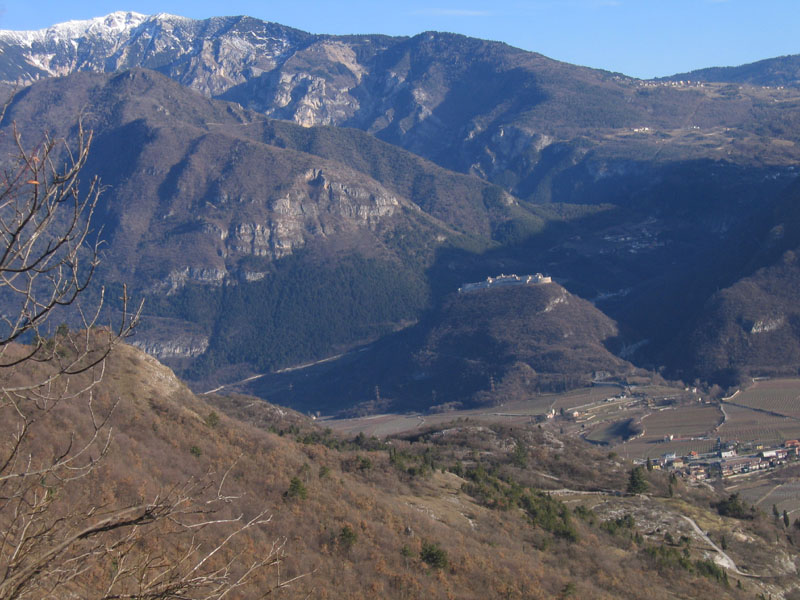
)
(637, 484)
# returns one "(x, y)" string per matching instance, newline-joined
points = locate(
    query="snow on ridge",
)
(162, 16)
(112, 24)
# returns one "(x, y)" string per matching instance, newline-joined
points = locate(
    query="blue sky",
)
(643, 38)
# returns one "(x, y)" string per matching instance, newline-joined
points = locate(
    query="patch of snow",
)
(114, 24)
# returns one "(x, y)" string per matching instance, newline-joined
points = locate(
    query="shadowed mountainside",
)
(752, 327)
(479, 348)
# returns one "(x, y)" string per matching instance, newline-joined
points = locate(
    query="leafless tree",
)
(48, 256)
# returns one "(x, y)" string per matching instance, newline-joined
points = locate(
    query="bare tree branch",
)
(50, 549)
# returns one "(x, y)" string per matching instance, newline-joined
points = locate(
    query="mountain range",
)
(281, 197)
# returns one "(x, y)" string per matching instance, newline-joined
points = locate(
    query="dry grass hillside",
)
(453, 513)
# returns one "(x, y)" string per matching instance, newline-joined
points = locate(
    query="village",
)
(725, 460)
(625, 421)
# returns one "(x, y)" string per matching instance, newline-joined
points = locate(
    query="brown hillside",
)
(368, 520)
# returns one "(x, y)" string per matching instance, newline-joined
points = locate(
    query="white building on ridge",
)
(505, 280)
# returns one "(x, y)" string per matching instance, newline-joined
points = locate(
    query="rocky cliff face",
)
(276, 67)
(469, 105)
(246, 210)
(319, 203)
(214, 205)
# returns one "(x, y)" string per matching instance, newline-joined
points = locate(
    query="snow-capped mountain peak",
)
(210, 56)
(115, 25)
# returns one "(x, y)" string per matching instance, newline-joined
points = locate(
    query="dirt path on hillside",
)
(721, 559)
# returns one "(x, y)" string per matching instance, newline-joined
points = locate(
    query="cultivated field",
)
(780, 396)
(651, 448)
(767, 413)
(748, 425)
(612, 431)
(686, 423)
(583, 398)
(517, 412)
(780, 488)
(683, 421)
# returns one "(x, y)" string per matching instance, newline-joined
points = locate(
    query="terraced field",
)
(686, 424)
(654, 449)
(780, 488)
(578, 399)
(683, 421)
(748, 425)
(779, 396)
(517, 412)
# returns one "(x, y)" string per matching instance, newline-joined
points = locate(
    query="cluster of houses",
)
(725, 461)
(674, 84)
(505, 280)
